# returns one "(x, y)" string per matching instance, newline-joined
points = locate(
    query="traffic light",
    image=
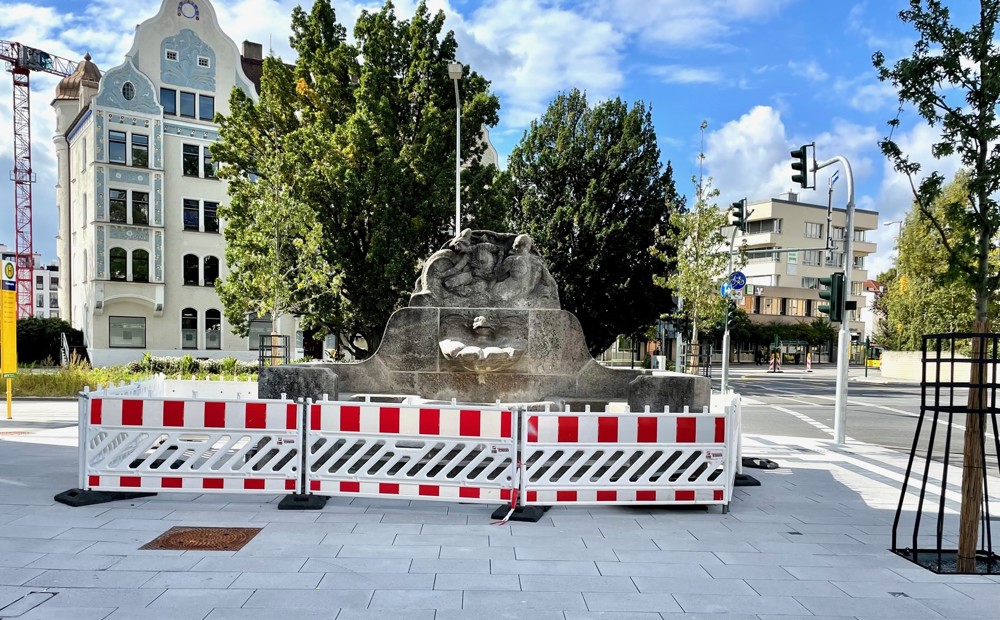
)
(834, 293)
(739, 211)
(731, 307)
(801, 165)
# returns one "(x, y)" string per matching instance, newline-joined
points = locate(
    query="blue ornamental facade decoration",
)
(195, 64)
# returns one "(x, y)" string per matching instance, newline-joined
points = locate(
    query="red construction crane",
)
(22, 60)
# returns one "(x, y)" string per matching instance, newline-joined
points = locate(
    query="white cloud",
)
(809, 70)
(706, 23)
(678, 74)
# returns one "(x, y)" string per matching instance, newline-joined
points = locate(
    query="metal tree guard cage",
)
(948, 378)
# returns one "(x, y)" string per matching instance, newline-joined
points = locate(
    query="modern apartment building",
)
(783, 283)
(140, 239)
(46, 303)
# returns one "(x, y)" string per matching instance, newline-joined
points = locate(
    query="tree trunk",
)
(972, 461)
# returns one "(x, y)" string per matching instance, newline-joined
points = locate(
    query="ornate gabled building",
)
(140, 243)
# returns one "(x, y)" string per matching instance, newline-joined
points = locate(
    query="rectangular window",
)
(118, 205)
(764, 226)
(857, 288)
(836, 259)
(770, 305)
(859, 262)
(40, 300)
(128, 331)
(810, 257)
(190, 161)
(206, 107)
(211, 217)
(795, 307)
(53, 300)
(838, 233)
(810, 282)
(140, 266)
(172, 55)
(814, 231)
(168, 99)
(191, 215)
(187, 104)
(208, 169)
(140, 208)
(140, 150)
(53, 283)
(258, 328)
(116, 147)
(203, 61)
(39, 281)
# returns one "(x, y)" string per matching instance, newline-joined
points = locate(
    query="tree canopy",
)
(952, 79)
(357, 143)
(588, 186)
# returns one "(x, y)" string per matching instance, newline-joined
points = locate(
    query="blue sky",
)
(767, 76)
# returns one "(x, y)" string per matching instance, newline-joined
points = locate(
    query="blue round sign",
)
(738, 280)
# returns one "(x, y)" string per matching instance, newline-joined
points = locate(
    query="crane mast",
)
(22, 60)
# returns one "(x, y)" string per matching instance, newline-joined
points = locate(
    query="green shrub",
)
(38, 339)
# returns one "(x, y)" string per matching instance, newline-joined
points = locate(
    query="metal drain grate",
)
(203, 539)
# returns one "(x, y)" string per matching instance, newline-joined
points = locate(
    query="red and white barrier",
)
(463, 453)
(159, 445)
(627, 458)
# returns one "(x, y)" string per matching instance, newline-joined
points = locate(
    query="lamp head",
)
(455, 70)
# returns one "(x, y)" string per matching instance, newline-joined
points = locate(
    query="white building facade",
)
(140, 240)
(783, 286)
(46, 302)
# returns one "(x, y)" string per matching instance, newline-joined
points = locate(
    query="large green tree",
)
(591, 191)
(952, 78)
(922, 296)
(370, 144)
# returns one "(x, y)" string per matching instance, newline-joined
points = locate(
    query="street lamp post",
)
(899, 230)
(455, 73)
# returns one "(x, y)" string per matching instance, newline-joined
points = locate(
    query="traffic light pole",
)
(844, 339)
(725, 334)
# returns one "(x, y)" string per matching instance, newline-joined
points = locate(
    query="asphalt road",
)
(799, 404)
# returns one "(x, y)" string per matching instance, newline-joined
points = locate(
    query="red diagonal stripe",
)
(533, 429)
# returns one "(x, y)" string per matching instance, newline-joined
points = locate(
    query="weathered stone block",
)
(673, 390)
(298, 381)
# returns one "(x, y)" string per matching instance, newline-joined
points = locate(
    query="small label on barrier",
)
(286, 440)
(714, 457)
(499, 449)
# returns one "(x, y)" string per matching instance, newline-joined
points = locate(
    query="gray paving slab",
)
(385, 614)
(543, 551)
(623, 615)
(524, 603)
(488, 553)
(575, 583)
(258, 613)
(187, 579)
(892, 607)
(309, 599)
(416, 599)
(631, 602)
(90, 579)
(18, 576)
(201, 598)
(247, 563)
(161, 613)
(725, 604)
(356, 565)
(18, 559)
(652, 569)
(278, 581)
(374, 581)
(542, 567)
(123, 598)
(478, 581)
(692, 585)
(76, 561)
(448, 565)
(83, 613)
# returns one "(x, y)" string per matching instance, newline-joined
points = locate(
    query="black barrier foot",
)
(530, 514)
(743, 480)
(79, 497)
(298, 501)
(759, 463)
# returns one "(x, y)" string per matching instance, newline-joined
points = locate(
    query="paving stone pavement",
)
(810, 542)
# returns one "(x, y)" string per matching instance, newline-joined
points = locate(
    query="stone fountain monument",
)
(484, 324)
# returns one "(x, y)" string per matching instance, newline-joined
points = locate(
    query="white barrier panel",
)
(628, 458)
(159, 445)
(463, 453)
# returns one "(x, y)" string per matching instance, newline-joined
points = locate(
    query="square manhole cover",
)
(203, 539)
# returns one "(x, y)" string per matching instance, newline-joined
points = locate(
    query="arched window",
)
(211, 271)
(140, 266)
(119, 264)
(189, 328)
(213, 329)
(191, 269)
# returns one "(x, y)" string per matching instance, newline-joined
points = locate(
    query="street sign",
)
(738, 296)
(725, 289)
(738, 280)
